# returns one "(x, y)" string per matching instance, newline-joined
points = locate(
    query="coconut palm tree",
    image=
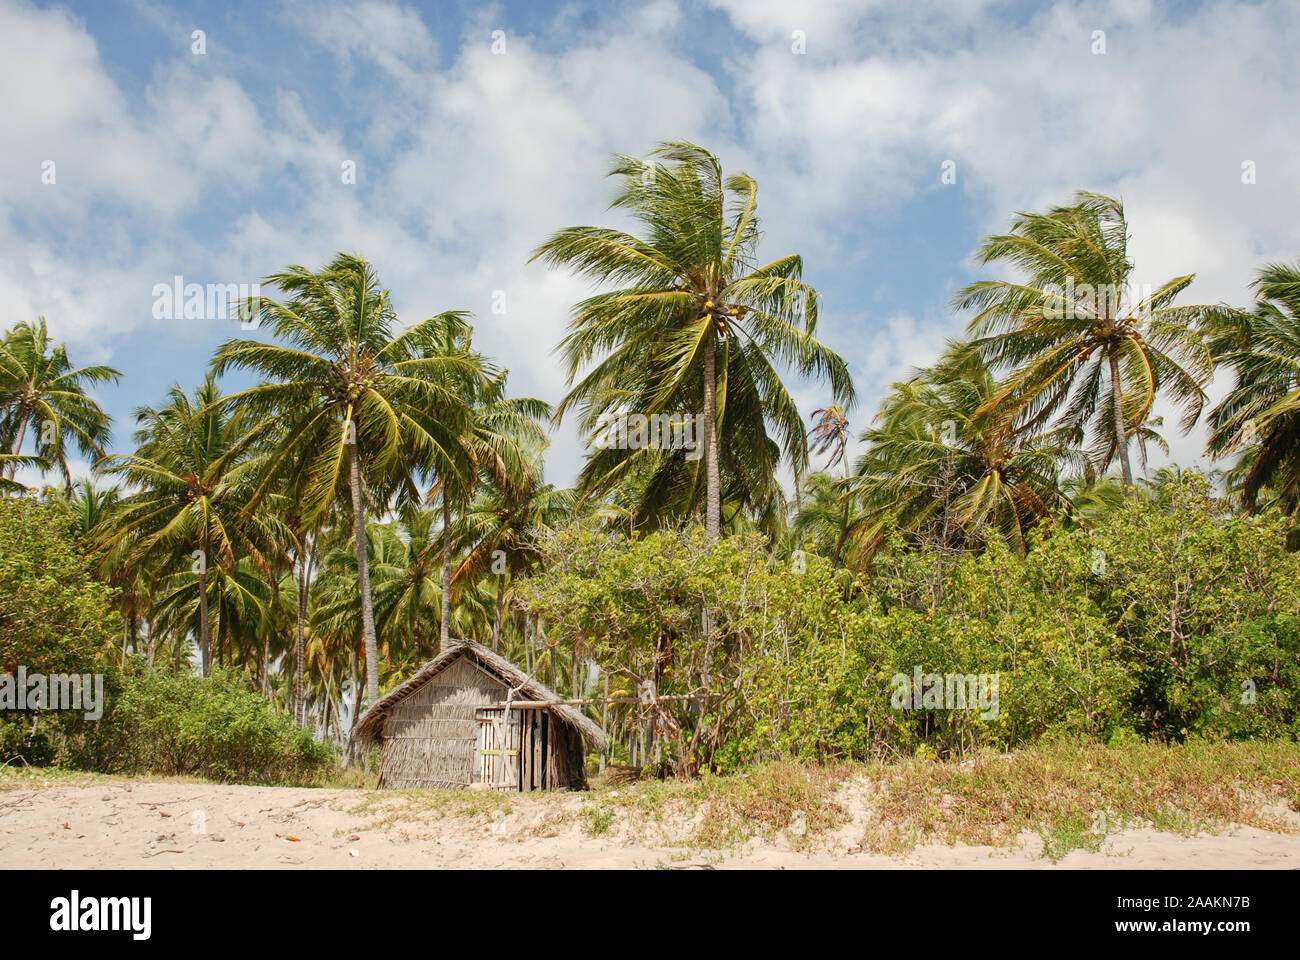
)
(493, 444)
(692, 327)
(826, 514)
(40, 388)
(194, 478)
(831, 435)
(946, 463)
(498, 530)
(407, 580)
(232, 597)
(505, 443)
(1075, 319)
(9, 464)
(360, 403)
(94, 507)
(1260, 417)
(91, 505)
(404, 565)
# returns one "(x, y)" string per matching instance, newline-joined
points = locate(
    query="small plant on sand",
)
(596, 821)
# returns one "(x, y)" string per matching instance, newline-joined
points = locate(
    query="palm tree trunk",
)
(299, 643)
(501, 602)
(17, 448)
(444, 629)
(205, 640)
(713, 501)
(266, 666)
(354, 712)
(844, 518)
(1121, 438)
(363, 580)
(528, 642)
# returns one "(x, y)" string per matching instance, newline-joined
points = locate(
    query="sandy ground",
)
(170, 825)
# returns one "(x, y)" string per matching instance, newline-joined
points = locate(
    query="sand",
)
(177, 825)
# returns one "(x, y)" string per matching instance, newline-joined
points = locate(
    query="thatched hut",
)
(447, 727)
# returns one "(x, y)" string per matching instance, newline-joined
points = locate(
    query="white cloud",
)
(472, 162)
(391, 36)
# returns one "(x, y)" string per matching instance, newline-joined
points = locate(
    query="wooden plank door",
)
(498, 758)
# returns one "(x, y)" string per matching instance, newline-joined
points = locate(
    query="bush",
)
(22, 742)
(184, 725)
(54, 616)
(1208, 606)
(1168, 619)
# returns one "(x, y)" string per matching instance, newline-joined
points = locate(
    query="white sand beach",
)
(113, 824)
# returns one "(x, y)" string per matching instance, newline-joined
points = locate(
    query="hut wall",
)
(431, 737)
(568, 755)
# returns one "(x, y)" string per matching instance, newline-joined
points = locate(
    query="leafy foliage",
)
(1149, 622)
(54, 614)
(183, 725)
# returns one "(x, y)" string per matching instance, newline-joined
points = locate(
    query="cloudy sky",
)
(475, 130)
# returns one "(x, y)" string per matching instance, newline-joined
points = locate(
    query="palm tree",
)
(408, 594)
(499, 530)
(1260, 417)
(92, 505)
(40, 388)
(492, 444)
(233, 601)
(504, 432)
(94, 508)
(194, 479)
(302, 547)
(946, 463)
(9, 464)
(831, 434)
(693, 326)
(360, 403)
(403, 559)
(1074, 320)
(826, 514)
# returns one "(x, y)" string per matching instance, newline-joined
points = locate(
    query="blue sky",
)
(225, 166)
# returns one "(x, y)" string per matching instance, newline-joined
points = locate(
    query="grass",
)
(1075, 794)
(721, 812)
(1072, 794)
(15, 776)
(20, 776)
(596, 821)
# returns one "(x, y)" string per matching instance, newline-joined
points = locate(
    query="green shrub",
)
(183, 725)
(54, 616)
(24, 743)
(1169, 618)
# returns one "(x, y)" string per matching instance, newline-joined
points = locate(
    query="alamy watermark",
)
(75, 913)
(56, 691)
(179, 300)
(1084, 301)
(946, 691)
(639, 431)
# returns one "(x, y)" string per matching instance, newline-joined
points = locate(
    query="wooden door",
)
(497, 762)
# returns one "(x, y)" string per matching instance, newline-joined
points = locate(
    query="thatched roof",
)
(371, 724)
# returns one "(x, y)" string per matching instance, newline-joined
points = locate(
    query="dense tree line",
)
(378, 491)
